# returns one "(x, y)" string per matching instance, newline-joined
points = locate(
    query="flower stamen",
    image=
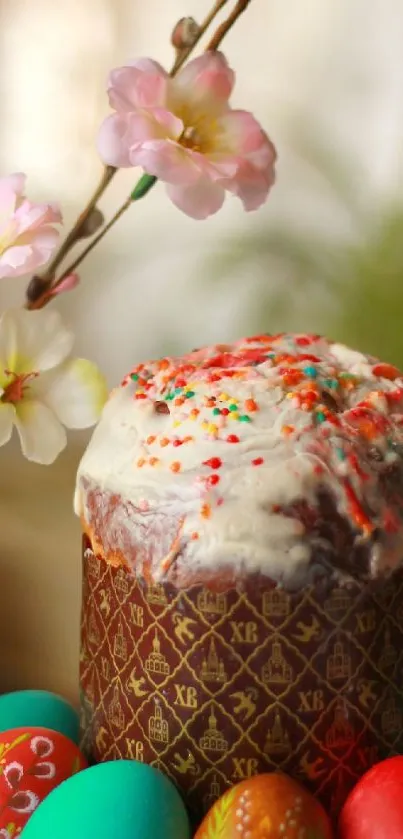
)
(14, 391)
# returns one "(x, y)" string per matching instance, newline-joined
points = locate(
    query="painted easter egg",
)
(122, 798)
(33, 761)
(374, 808)
(39, 708)
(266, 807)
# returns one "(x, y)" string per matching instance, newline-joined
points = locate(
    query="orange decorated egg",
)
(33, 761)
(266, 807)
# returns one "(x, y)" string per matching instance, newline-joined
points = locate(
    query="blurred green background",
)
(348, 288)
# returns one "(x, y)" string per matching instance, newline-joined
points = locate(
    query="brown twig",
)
(48, 293)
(227, 24)
(48, 284)
(73, 236)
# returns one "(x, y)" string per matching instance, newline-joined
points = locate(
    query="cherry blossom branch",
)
(40, 284)
(184, 53)
(143, 186)
(42, 288)
(227, 24)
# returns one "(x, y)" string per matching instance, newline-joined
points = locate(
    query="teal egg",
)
(122, 798)
(41, 709)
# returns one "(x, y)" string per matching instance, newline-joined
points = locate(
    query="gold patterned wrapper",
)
(212, 687)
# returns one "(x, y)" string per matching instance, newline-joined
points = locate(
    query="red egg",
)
(374, 808)
(32, 763)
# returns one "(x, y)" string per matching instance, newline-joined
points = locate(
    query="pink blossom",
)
(27, 235)
(184, 132)
(67, 284)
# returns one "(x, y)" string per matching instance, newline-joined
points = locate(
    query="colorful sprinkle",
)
(321, 408)
(213, 462)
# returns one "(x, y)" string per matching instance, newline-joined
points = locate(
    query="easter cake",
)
(243, 525)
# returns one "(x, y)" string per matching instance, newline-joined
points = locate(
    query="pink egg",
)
(33, 761)
(374, 808)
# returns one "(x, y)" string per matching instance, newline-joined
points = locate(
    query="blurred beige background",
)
(326, 253)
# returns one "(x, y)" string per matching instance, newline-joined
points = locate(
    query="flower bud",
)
(67, 284)
(92, 223)
(36, 287)
(185, 33)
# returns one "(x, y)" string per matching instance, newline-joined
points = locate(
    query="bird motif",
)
(182, 628)
(135, 685)
(306, 632)
(246, 700)
(186, 766)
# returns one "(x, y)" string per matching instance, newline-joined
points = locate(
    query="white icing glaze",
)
(288, 451)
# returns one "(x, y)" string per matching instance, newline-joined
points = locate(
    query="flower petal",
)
(31, 216)
(199, 200)
(141, 85)
(207, 77)
(8, 343)
(16, 261)
(42, 435)
(113, 141)
(154, 124)
(121, 133)
(77, 394)
(240, 133)
(67, 284)
(168, 161)
(21, 258)
(11, 187)
(7, 416)
(42, 341)
(251, 185)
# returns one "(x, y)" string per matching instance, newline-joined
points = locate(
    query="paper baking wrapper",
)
(212, 687)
